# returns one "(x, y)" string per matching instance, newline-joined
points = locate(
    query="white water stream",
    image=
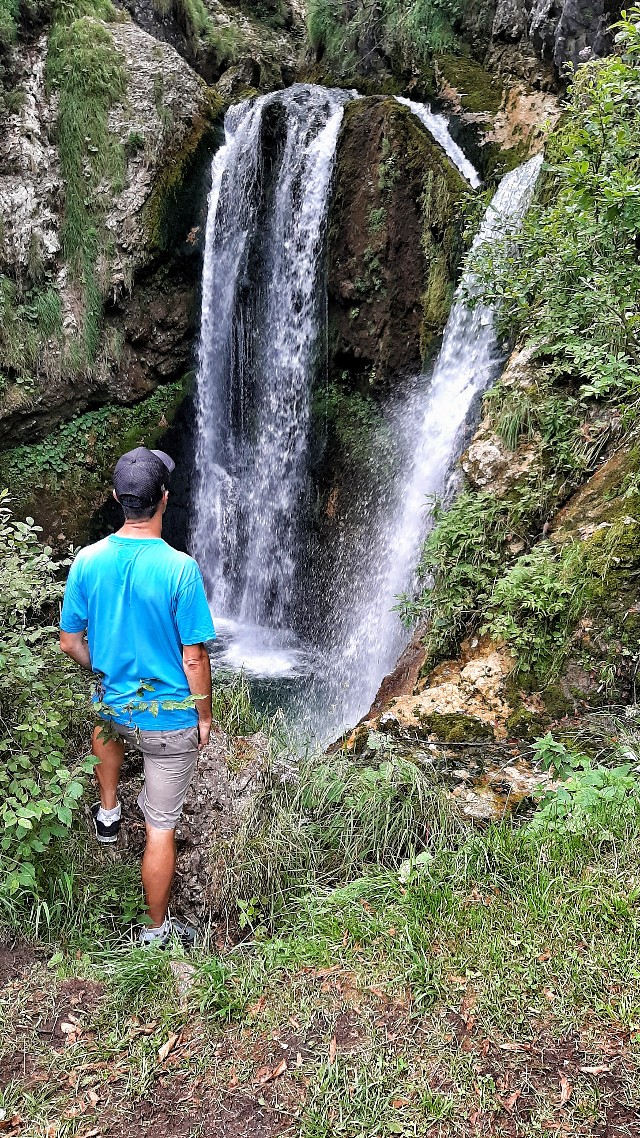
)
(262, 346)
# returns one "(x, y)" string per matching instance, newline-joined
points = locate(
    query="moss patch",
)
(89, 76)
(477, 90)
(456, 727)
(62, 480)
(164, 213)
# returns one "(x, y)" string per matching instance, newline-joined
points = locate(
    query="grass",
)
(30, 330)
(398, 974)
(323, 822)
(203, 33)
(408, 31)
(89, 76)
(526, 949)
(231, 704)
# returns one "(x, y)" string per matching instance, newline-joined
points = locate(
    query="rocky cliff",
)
(395, 244)
(108, 132)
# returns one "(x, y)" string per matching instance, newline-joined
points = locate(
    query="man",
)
(144, 610)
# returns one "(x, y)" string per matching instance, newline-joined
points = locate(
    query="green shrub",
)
(590, 799)
(460, 561)
(43, 709)
(569, 281)
(536, 605)
(541, 411)
(9, 14)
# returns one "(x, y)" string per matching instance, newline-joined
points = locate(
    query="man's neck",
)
(149, 528)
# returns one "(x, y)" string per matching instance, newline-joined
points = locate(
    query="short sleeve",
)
(75, 616)
(193, 616)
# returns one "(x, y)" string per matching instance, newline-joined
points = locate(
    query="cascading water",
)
(368, 636)
(263, 323)
(262, 345)
(438, 127)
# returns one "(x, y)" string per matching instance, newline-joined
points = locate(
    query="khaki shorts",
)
(169, 762)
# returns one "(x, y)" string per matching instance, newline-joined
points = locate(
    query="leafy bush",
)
(569, 282)
(43, 709)
(535, 606)
(359, 429)
(589, 799)
(461, 558)
(82, 452)
(9, 13)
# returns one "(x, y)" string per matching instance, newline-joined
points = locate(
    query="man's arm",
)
(195, 661)
(73, 644)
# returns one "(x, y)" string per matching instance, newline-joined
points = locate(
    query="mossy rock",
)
(455, 727)
(63, 479)
(171, 208)
(556, 702)
(395, 244)
(478, 90)
(525, 724)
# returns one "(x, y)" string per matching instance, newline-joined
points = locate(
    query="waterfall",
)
(262, 332)
(262, 346)
(368, 636)
(439, 129)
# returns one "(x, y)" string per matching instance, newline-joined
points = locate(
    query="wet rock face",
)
(263, 49)
(537, 40)
(149, 279)
(394, 244)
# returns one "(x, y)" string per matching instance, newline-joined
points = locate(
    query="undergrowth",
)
(201, 31)
(478, 569)
(583, 228)
(79, 456)
(407, 31)
(30, 327)
(43, 711)
(326, 822)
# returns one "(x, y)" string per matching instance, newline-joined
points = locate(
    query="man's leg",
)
(158, 867)
(109, 753)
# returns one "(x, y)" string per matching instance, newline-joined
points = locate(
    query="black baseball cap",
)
(140, 477)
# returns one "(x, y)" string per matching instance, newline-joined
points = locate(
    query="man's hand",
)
(195, 661)
(204, 731)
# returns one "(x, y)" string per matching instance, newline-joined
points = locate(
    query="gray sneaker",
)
(186, 934)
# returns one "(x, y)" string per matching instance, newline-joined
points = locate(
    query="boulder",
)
(394, 244)
(147, 275)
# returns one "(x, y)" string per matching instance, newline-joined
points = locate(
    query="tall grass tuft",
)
(331, 820)
(408, 30)
(231, 704)
(89, 75)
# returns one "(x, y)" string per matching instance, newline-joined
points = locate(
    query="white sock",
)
(109, 816)
(151, 934)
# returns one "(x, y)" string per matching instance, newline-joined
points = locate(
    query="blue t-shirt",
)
(140, 601)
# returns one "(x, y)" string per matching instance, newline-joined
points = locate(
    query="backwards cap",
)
(140, 477)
